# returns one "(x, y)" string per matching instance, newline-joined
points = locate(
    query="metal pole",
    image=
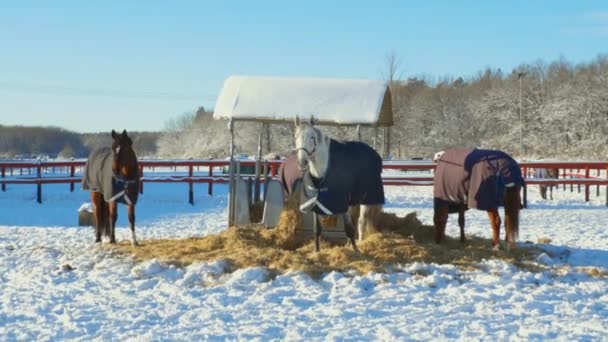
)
(258, 166)
(231, 182)
(521, 140)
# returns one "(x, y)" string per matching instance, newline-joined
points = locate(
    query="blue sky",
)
(91, 66)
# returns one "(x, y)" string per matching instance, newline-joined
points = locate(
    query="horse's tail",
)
(104, 225)
(512, 208)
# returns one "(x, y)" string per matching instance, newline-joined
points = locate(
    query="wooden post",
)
(210, 184)
(273, 170)
(571, 185)
(525, 189)
(586, 185)
(597, 187)
(3, 170)
(72, 171)
(141, 182)
(190, 186)
(39, 185)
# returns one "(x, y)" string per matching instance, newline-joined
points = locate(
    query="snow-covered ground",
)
(57, 284)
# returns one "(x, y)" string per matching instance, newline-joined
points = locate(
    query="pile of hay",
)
(398, 240)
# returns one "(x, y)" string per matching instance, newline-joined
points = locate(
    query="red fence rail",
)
(585, 174)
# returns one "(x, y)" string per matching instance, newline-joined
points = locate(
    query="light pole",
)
(520, 76)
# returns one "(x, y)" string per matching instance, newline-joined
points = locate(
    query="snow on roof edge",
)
(281, 99)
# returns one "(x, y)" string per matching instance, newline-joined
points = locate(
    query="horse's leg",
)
(98, 221)
(543, 191)
(461, 210)
(349, 229)
(316, 228)
(364, 220)
(440, 219)
(113, 215)
(495, 223)
(131, 213)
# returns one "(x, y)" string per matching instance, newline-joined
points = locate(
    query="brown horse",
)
(480, 179)
(112, 176)
(546, 173)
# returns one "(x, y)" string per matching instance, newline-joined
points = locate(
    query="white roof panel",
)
(330, 101)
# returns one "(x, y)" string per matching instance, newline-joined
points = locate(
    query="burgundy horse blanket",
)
(474, 177)
(353, 177)
(289, 174)
(99, 177)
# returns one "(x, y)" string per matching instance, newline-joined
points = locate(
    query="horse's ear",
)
(114, 134)
(124, 133)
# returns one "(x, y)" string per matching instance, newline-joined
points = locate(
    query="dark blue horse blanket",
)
(353, 177)
(99, 177)
(474, 177)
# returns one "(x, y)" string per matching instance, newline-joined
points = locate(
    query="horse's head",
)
(308, 141)
(124, 163)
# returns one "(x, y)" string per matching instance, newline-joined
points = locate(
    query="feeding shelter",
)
(280, 99)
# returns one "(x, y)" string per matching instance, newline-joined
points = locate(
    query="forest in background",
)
(559, 110)
(52, 142)
(563, 106)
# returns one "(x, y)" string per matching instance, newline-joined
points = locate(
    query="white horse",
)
(343, 175)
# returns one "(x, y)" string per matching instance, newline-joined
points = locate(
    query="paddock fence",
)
(579, 176)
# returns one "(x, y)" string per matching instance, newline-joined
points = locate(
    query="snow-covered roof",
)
(281, 99)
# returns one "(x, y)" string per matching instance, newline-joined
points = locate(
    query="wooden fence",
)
(579, 174)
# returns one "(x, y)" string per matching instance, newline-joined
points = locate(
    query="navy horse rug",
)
(474, 177)
(99, 177)
(353, 177)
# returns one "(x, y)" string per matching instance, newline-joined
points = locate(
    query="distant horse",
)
(546, 173)
(480, 179)
(112, 175)
(338, 175)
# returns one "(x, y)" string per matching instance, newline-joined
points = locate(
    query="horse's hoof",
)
(496, 247)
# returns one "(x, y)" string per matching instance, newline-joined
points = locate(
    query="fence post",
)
(72, 171)
(571, 185)
(3, 175)
(525, 195)
(606, 187)
(586, 185)
(39, 185)
(141, 182)
(190, 186)
(597, 187)
(210, 184)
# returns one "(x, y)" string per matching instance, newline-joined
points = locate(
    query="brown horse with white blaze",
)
(480, 179)
(112, 176)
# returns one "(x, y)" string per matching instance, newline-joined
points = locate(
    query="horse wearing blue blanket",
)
(337, 177)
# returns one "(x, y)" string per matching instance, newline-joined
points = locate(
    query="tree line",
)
(544, 110)
(556, 110)
(54, 142)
